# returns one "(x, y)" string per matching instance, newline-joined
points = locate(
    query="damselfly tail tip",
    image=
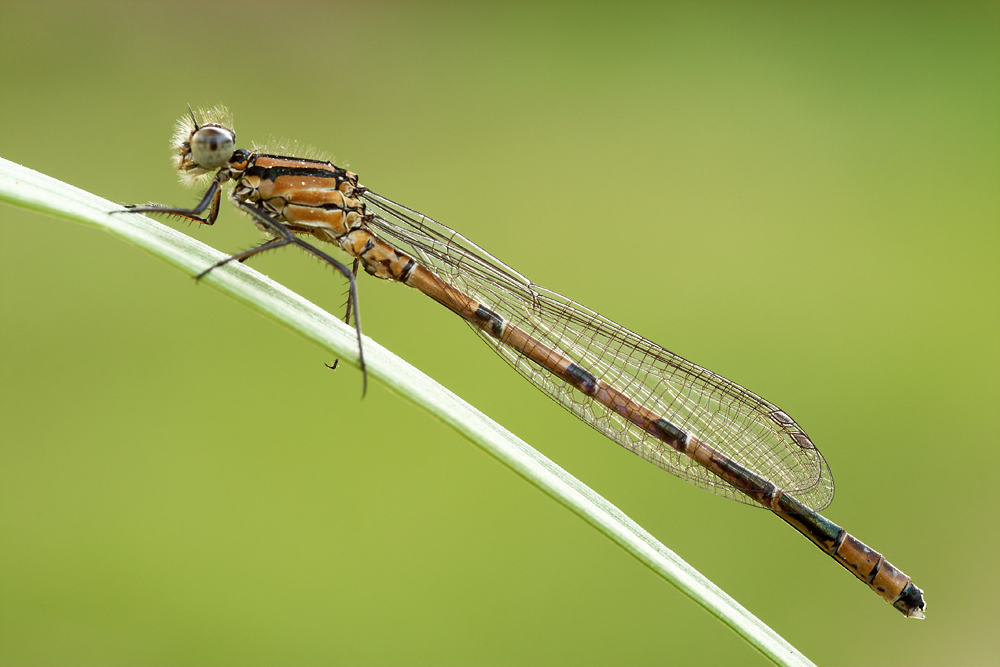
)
(911, 601)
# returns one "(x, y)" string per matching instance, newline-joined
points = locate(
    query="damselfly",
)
(683, 418)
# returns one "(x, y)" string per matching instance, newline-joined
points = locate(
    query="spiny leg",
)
(347, 315)
(282, 236)
(260, 247)
(285, 236)
(245, 255)
(210, 201)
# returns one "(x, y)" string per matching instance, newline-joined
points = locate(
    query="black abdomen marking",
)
(583, 379)
(496, 322)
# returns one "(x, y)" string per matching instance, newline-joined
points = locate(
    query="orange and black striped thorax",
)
(309, 195)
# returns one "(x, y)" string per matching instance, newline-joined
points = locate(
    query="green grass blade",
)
(28, 189)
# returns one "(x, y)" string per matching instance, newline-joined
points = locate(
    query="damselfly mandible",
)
(683, 418)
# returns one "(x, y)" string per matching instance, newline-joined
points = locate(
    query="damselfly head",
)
(203, 142)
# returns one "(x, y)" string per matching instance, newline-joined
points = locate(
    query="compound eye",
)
(211, 147)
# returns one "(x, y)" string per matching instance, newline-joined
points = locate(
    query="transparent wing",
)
(740, 424)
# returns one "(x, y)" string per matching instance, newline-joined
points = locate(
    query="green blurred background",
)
(803, 198)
